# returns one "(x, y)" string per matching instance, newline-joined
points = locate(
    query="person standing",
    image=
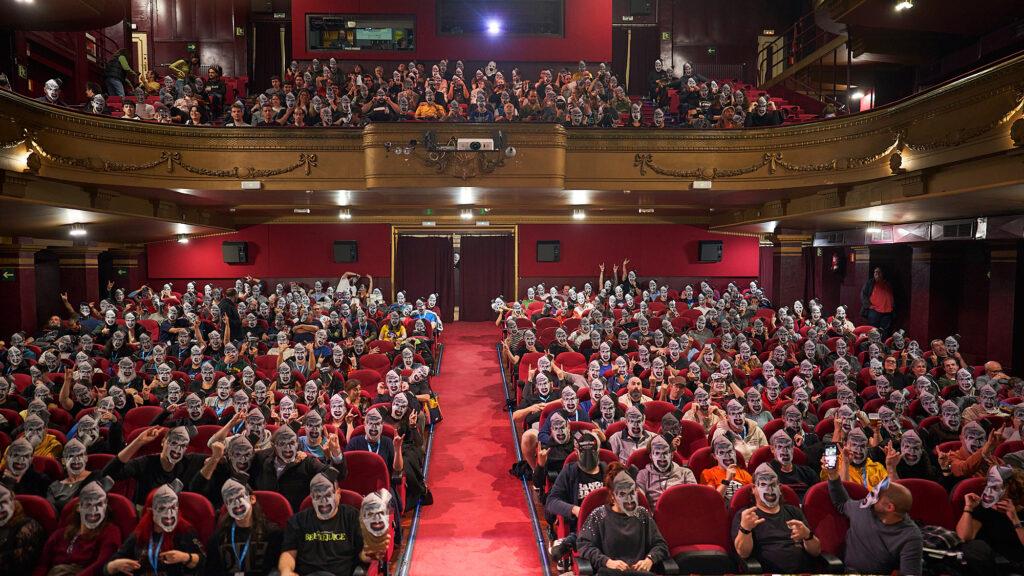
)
(878, 302)
(116, 73)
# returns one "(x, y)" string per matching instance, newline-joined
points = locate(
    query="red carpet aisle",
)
(479, 523)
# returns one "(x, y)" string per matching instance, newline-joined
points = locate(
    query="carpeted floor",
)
(479, 523)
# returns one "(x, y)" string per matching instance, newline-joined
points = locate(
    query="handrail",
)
(801, 39)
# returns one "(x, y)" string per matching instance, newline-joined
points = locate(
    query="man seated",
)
(662, 473)
(769, 528)
(976, 454)
(634, 393)
(632, 438)
(748, 437)
(325, 538)
(913, 461)
(854, 464)
(799, 477)
(574, 482)
(882, 538)
(727, 477)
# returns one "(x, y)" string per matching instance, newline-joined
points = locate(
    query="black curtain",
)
(424, 266)
(487, 269)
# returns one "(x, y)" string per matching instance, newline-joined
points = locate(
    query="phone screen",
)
(831, 456)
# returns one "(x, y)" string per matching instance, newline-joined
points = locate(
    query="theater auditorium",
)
(511, 287)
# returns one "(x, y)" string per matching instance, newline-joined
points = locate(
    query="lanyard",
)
(374, 450)
(154, 557)
(234, 549)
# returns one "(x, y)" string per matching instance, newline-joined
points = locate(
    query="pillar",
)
(79, 273)
(920, 294)
(788, 271)
(1002, 288)
(127, 272)
(17, 289)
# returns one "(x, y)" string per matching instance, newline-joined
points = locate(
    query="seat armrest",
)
(669, 567)
(749, 565)
(832, 564)
(584, 566)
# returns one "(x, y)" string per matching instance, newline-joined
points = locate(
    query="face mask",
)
(734, 410)
(559, 429)
(661, 454)
(175, 445)
(950, 415)
(858, 447)
(766, 484)
(624, 492)
(255, 425)
(286, 445)
(995, 487)
(374, 426)
(973, 437)
(399, 406)
(374, 512)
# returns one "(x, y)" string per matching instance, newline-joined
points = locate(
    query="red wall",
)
(275, 251)
(588, 34)
(654, 250)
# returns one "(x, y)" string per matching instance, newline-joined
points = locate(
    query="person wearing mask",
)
(993, 516)
(622, 535)
(245, 541)
(88, 540)
(574, 482)
(769, 528)
(882, 538)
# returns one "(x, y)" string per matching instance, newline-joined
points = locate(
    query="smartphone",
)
(831, 456)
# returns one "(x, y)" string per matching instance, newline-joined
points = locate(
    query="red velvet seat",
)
(367, 473)
(764, 454)
(377, 362)
(198, 512)
(968, 486)
(139, 417)
(744, 497)
(931, 503)
(40, 509)
(703, 459)
(642, 457)
(703, 547)
(693, 439)
(828, 524)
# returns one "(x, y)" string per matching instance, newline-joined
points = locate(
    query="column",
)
(127, 273)
(79, 273)
(788, 268)
(1002, 288)
(17, 289)
(920, 294)
(857, 273)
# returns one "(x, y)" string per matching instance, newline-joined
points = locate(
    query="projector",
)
(475, 144)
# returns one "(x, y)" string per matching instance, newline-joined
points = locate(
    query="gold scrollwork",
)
(464, 165)
(172, 159)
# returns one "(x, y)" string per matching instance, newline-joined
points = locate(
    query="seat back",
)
(275, 506)
(703, 459)
(49, 466)
(654, 411)
(827, 523)
(39, 509)
(376, 362)
(931, 503)
(139, 417)
(600, 497)
(367, 473)
(969, 486)
(603, 455)
(197, 511)
(1009, 447)
(681, 503)
(642, 457)
(693, 438)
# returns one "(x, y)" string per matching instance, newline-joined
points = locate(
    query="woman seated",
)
(163, 543)
(89, 539)
(243, 528)
(992, 517)
(621, 536)
(21, 537)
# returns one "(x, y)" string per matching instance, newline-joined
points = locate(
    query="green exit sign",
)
(121, 271)
(191, 47)
(712, 50)
(8, 275)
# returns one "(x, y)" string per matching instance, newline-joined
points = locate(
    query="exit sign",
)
(121, 271)
(8, 275)
(712, 50)
(191, 47)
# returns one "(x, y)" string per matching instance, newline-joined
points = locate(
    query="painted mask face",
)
(19, 458)
(286, 444)
(890, 421)
(929, 404)
(559, 429)
(857, 444)
(338, 407)
(314, 426)
(374, 426)
(724, 452)
(734, 410)
(74, 457)
(255, 424)
(995, 487)
(772, 389)
(240, 402)
(973, 437)
(92, 504)
(374, 512)
(964, 380)
(911, 448)
(607, 404)
(570, 401)
(175, 445)
(88, 432)
(287, 408)
(324, 496)
(223, 389)
(165, 509)
(624, 492)
(988, 398)
(950, 415)
(35, 430)
(310, 393)
(634, 422)
(766, 484)
(399, 406)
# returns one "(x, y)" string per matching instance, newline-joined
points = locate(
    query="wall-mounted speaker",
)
(346, 251)
(640, 7)
(710, 251)
(235, 252)
(548, 250)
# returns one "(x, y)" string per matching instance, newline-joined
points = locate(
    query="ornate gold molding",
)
(172, 159)
(464, 165)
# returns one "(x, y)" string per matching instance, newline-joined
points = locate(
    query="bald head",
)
(899, 496)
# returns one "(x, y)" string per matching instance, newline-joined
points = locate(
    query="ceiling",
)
(941, 16)
(63, 15)
(53, 222)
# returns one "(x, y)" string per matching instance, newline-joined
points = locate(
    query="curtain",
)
(487, 269)
(423, 266)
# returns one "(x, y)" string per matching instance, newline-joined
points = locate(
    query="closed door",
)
(487, 270)
(423, 266)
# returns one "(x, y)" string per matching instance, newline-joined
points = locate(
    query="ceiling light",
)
(466, 195)
(493, 27)
(857, 95)
(466, 214)
(301, 210)
(645, 210)
(344, 215)
(182, 238)
(578, 214)
(77, 230)
(578, 197)
(904, 5)
(874, 228)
